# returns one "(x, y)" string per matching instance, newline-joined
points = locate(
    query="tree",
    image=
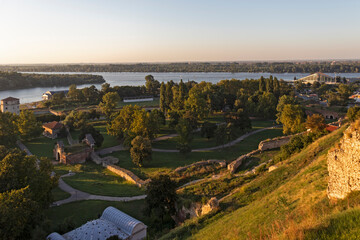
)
(316, 123)
(28, 126)
(140, 151)
(239, 119)
(292, 118)
(151, 85)
(75, 94)
(220, 134)
(160, 202)
(353, 113)
(185, 132)
(109, 103)
(208, 129)
(163, 105)
(76, 119)
(196, 104)
(284, 100)
(8, 129)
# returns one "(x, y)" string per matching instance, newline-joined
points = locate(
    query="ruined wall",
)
(232, 167)
(344, 165)
(274, 143)
(126, 174)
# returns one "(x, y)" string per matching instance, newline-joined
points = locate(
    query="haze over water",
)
(138, 79)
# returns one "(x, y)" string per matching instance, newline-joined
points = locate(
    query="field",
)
(43, 146)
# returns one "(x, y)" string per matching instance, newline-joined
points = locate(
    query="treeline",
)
(14, 80)
(273, 67)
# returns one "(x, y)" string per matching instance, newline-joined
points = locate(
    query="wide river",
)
(138, 79)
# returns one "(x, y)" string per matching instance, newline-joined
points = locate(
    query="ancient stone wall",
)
(274, 143)
(232, 167)
(126, 174)
(344, 165)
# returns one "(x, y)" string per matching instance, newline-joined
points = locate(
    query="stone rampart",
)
(126, 174)
(233, 166)
(222, 164)
(344, 165)
(274, 143)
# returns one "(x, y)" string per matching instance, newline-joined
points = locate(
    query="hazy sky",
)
(103, 31)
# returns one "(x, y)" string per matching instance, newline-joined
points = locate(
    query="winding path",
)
(77, 195)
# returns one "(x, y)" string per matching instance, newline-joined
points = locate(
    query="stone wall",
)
(222, 164)
(274, 143)
(344, 165)
(233, 166)
(126, 174)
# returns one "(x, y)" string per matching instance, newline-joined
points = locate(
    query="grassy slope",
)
(281, 204)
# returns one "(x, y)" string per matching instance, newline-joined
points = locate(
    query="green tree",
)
(76, 119)
(316, 123)
(151, 85)
(185, 132)
(292, 118)
(8, 129)
(140, 151)
(109, 103)
(163, 105)
(220, 134)
(284, 100)
(160, 202)
(28, 126)
(208, 129)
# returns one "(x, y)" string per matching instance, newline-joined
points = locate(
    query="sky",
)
(122, 31)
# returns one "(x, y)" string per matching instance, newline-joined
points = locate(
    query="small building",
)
(113, 222)
(74, 154)
(52, 129)
(89, 140)
(139, 99)
(11, 105)
(318, 77)
(49, 94)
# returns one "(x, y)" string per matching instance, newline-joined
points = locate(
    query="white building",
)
(138, 99)
(113, 222)
(10, 104)
(318, 77)
(49, 94)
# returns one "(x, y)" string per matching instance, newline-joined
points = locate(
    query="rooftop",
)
(10, 99)
(53, 125)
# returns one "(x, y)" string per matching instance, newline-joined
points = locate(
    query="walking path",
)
(23, 147)
(70, 139)
(77, 195)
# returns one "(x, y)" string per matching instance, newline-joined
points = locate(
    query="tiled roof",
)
(10, 99)
(53, 125)
(331, 128)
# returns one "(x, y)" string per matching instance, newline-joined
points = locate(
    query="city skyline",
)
(43, 32)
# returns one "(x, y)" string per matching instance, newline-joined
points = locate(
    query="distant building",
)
(52, 129)
(113, 222)
(318, 77)
(139, 99)
(89, 140)
(11, 105)
(49, 94)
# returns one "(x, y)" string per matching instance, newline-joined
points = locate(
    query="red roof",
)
(10, 99)
(53, 125)
(331, 128)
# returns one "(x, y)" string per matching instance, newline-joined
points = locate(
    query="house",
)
(49, 94)
(11, 105)
(318, 77)
(112, 222)
(89, 140)
(74, 154)
(52, 129)
(139, 99)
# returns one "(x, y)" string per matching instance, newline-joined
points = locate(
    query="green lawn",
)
(84, 211)
(154, 103)
(95, 179)
(59, 194)
(43, 146)
(109, 141)
(165, 162)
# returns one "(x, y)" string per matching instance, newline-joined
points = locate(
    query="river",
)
(138, 79)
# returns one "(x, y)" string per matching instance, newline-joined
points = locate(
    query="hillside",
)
(287, 203)
(13, 80)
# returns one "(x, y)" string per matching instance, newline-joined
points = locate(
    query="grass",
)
(165, 162)
(43, 146)
(95, 179)
(154, 103)
(59, 194)
(279, 204)
(109, 141)
(84, 211)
